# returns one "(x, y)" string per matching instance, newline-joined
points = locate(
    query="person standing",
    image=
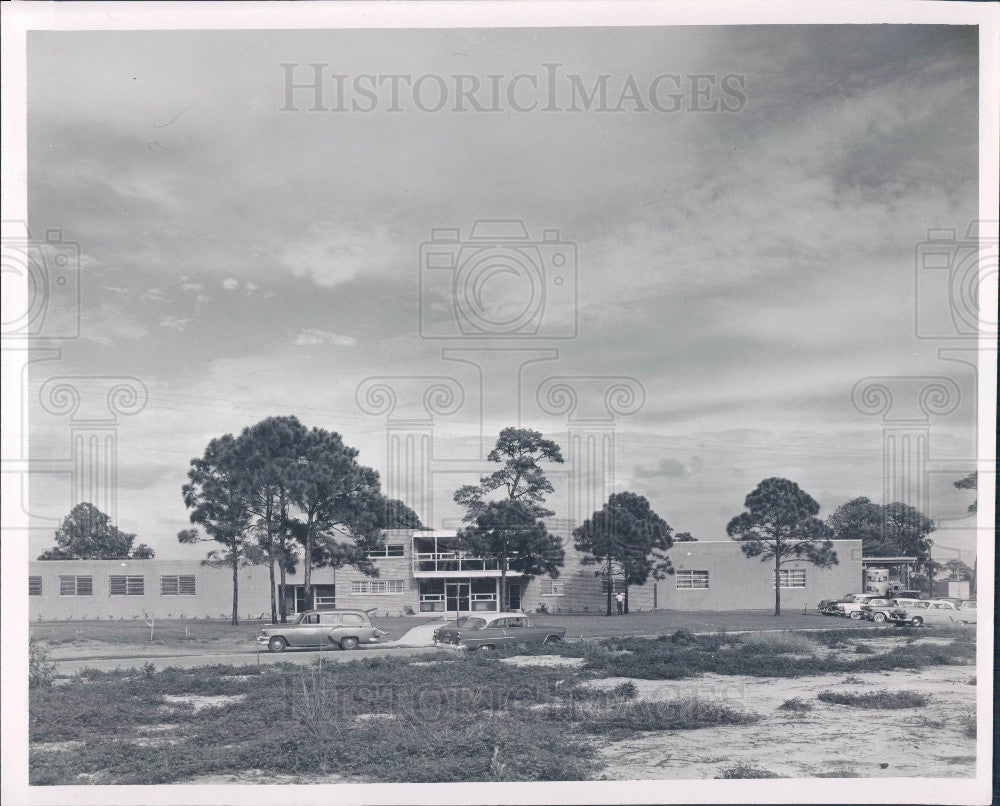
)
(620, 601)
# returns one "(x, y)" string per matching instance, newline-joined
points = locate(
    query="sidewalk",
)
(422, 635)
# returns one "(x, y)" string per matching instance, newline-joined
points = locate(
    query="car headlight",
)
(264, 633)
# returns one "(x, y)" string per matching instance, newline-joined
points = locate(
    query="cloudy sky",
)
(746, 267)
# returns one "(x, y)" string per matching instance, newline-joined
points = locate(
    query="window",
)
(692, 580)
(121, 585)
(310, 618)
(352, 620)
(377, 587)
(392, 550)
(550, 587)
(34, 586)
(76, 586)
(792, 578)
(177, 585)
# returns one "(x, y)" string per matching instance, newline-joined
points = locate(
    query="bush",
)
(41, 669)
(748, 771)
(779, 643)
(863, 649)
(890, 700)
(685, 713)
(969, 723)
(683, 637)
(795, 704)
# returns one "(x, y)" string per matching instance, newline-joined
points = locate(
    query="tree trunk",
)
(270, 572)
(503, 585)
(777, 585)
(282, 595)
(611, 587)
(626, 598)
(236, 584)
(307, 566)
(270, 561)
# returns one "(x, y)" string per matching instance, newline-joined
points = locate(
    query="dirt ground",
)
(828, 740)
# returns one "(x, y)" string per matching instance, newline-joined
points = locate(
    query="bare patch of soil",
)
(543, 660)
(827, 740)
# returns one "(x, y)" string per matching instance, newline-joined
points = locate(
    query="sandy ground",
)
(829, 740)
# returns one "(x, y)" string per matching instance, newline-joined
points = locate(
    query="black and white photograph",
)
(499, 403)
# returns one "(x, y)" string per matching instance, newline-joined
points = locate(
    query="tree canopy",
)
(510, 533)
(86, 533)
(889, 530)
(779, 524)
(628, 538)
(510, 530)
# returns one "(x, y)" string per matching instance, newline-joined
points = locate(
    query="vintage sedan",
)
(934, 613)
(851, 604)
(882, 610)
(495, 631)
(322, 628)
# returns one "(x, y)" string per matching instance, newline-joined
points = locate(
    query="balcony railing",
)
(451, 561)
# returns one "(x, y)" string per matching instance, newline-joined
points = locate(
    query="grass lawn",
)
(464, 717)
(188, 634)
(665, 622)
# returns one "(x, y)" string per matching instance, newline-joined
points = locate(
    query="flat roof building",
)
(424, 573)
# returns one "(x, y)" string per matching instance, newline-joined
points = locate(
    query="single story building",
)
(423, 573)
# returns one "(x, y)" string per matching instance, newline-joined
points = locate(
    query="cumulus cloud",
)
(671, 469)
(311, 337)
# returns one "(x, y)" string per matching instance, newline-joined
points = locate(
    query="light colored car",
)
(967, 612)
(851, 604)
(322, 628)
(497, 630)
(933, 613)
(882, 610)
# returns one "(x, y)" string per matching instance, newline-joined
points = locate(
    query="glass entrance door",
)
(457, 596)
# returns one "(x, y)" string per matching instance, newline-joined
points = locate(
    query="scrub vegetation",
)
(469, 717)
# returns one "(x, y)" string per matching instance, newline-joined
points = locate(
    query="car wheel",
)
(916, 621)
(855, 615)
(277, 644)
(349, 643)
(879, 618)
(552, 640)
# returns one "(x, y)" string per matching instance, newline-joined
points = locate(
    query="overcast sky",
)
(747, 267)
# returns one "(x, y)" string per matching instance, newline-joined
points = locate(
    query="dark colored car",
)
(321, 628)
(497, 630)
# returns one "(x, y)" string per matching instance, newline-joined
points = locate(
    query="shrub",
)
(969, 723)
(876, 699)
(863, 649)
(685, 713)
(683, 637)
(744, 770)
(779, 643)
(795, 704)
(41, 669)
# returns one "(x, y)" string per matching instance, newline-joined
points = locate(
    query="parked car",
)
(932, 613)
(967, 612)
(322, 628)
(497, 630)
(851, 604)
(882, 610)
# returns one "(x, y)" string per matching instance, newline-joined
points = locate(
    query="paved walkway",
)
(422, 635)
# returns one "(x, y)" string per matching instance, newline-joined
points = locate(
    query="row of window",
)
(684, 580)
(184, 585)
(118, 585)
(378, 587)
(389, 550)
